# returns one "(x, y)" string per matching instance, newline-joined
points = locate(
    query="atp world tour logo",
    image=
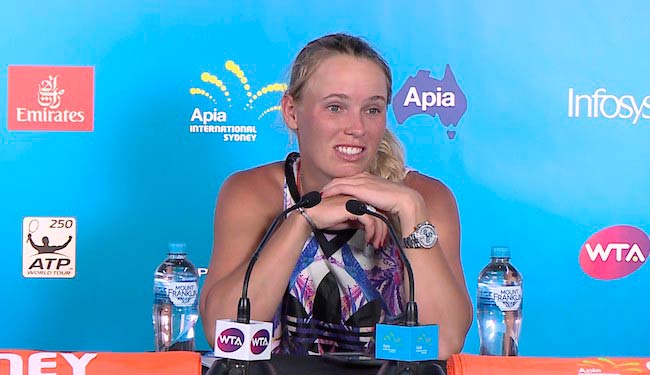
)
(49, 247)
(50, 98)
(231, 105)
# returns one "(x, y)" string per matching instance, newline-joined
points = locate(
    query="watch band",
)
(423, 236)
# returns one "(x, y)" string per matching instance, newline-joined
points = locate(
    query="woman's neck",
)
(310, 181)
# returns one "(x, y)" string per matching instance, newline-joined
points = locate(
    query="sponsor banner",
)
(50, 98)
(614, 252)
(23, 362)
(465, 364)
(601, 104)
(423, 94)
(231, 106)
(49, 247)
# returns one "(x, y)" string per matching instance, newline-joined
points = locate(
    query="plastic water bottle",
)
(499, 305)
(175, 301)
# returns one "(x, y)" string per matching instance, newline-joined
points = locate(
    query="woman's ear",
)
(289, 111)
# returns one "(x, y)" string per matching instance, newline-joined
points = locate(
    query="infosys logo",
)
(230, 340)
(614, 252)
(260, 341)
(50, 98)
(608, 106)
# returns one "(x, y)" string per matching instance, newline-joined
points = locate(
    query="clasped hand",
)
(388, 197)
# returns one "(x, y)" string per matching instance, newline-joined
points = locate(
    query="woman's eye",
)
(334, 108)
(374, 111)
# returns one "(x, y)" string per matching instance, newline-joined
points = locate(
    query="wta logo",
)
(614, 252)
(260, 341)
(230, 340)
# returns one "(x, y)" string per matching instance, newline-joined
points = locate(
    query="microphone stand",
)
(393, 367)
(261, 367)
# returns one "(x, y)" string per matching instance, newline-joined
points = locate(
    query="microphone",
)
(409, 348)
(308, 200)
(243, 340)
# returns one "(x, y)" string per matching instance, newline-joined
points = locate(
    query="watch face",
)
(428, 235)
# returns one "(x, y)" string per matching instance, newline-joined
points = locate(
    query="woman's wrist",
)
(307, 218)
(299, 222)
(412, 212)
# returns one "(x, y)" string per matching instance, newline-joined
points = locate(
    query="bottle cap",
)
(500, 252)
(177, 248)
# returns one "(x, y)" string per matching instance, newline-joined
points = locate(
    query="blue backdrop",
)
(527, 170)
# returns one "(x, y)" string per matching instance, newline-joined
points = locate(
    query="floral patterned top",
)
(339, 289)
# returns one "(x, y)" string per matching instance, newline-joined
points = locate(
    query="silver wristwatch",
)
(424, 236)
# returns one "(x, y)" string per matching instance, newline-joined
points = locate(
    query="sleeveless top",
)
(339, 289)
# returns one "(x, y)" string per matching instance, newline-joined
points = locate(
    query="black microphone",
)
(245, 346)
(308, 200)
(396, 364)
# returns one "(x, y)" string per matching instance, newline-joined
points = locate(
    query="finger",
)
(380, 234)
(383, 231)
(368, 227)
(334, 187)
(341, 188)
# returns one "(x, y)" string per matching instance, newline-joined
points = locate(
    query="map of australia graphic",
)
(423, 94)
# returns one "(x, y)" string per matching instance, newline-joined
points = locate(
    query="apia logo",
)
(605, 366)
(35, 98)
(608, 106)
(230, 340)
(221, 98)
(260, 341)
(614, 252)
(425, 95)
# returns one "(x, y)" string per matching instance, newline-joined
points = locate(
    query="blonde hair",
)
(389, 163)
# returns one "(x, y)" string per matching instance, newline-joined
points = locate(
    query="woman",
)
(326, 276)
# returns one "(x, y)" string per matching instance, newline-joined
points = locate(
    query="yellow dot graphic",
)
(269, 110)
(247, 87)
(635, 258)
(198, 91)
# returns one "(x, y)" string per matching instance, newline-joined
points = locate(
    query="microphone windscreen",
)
(310, 199)
(355, 207)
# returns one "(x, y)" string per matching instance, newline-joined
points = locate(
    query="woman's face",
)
(340, 118)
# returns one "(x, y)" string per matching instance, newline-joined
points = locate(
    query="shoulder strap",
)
(290, 177)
